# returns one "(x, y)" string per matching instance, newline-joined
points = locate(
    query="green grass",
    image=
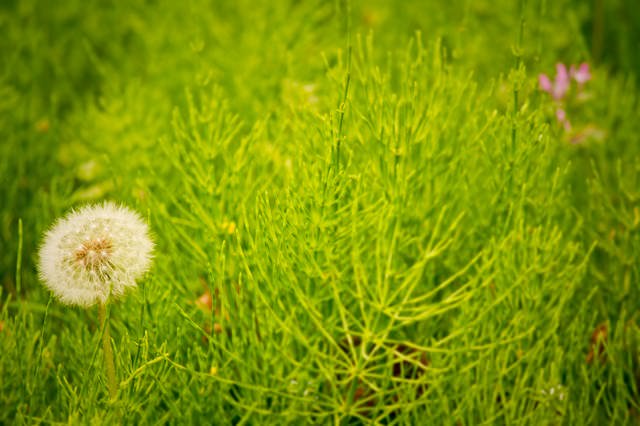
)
(393, 225)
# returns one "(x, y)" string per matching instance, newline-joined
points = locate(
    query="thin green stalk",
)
(19, 260)
(516, 88)
(346, 89)
(109, 365)
(597, 35)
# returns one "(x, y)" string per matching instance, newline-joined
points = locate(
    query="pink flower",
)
(581, 74)
(562, 82)
(545, 83)
(561, 115)
(559, 87)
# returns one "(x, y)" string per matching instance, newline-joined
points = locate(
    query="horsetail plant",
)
(92, 256)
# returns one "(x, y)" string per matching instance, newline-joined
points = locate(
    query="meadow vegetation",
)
(363, 211)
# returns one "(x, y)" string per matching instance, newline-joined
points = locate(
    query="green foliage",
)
(364, 212)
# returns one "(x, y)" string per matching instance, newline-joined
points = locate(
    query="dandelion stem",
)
(109, 365)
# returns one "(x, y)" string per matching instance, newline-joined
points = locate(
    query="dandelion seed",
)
(554, 393)
(94, 254)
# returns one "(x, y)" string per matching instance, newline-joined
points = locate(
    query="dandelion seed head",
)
(95, 253)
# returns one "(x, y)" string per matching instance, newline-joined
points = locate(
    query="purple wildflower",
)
(581, 74)
(545, 83)
(561, 115)
(562, 82)
(559, 87)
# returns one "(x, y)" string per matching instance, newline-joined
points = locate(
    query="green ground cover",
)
(364, 212)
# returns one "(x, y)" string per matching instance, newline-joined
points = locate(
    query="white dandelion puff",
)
(94, 254)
